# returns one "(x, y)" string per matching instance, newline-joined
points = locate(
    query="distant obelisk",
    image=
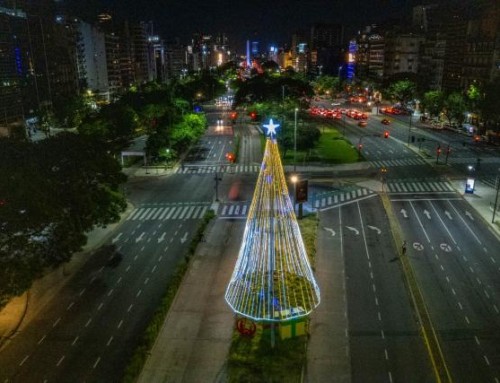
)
(249, 61)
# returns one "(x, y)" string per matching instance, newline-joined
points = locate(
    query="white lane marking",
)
(56, 322)
(496, 308)
(442, 223)
(119, 280)
(390, 377)
(420, 222)
(93, 279)
(120, 324)
(142, 248)
(127, 269)
(379, 316)
(447, 279)
(371, 274)
(138, 293)
(81, 292)
(146, 281)
(386, 354)
(376, 301)
(24, 360)
(477, 340)
(88, 322)
(96, 362)
(453, 291)
(70, 306)
(41, 339)
(486, 360)
(130, 308)
(465, 222)
(101, 269)
(60, 361)
(467, 319)
(441, 266)
(374, 288)
(153, 269)
(100, 306)
(110, 292)
(382, 334)
(135, 258)
(109, 341)
(160, 258)
(471, 269)
(74, 340)
(486, 293)
(460, 305)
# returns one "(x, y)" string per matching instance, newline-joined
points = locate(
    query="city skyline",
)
(271, 24)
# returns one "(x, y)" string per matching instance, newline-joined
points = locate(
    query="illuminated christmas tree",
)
(272, 279)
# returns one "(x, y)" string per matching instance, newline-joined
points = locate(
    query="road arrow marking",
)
(184, 239)
(116, 238)
(330, 230)
(447, 213)
(374, 228)
(356, 231)
(162, 238)
(403, 211)
(469, 215)
(139, 238)
(427, 214)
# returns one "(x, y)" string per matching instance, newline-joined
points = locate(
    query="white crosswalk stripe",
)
(398, 162)
(167, 213)
(419, 187)
(333, 198)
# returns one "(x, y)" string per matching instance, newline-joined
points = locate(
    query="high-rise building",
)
(326, 41)
(12, 68)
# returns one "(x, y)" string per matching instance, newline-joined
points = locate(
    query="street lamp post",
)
(409, 128)
(294, 180)
(295, 141)
(496, 198)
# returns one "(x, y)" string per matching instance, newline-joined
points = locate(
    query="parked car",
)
(385, 121)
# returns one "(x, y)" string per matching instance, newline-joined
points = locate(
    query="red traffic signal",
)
(253, 115)
(386, 134)
(230, 157)
(233, 115)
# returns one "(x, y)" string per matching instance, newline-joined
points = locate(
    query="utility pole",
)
(496, 199)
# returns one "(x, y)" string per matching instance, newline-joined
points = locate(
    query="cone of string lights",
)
(272, 279)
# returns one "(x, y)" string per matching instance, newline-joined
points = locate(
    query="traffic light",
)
(386, 134)
(230, 157)
(301, 191)
(253, 115)
(360, 146)
(233, 115)
(439, 150)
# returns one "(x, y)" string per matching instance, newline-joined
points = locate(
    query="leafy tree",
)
(490, 104)
(454, 107)
(55, 191)
(433, 102)
(326, 84)
(402, 91)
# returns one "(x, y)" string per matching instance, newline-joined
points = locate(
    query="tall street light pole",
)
(295, 141)
(409, 128)
(496, 198)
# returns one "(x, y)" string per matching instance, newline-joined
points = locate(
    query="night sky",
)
(270, 21)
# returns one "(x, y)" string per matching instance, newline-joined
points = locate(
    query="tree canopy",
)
(52, 193)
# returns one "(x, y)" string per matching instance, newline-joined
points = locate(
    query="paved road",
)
(456, 260)
(384, 339)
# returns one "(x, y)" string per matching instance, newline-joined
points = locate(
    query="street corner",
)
(373, 185)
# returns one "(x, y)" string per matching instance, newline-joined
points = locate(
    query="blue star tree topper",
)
(271, 128)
